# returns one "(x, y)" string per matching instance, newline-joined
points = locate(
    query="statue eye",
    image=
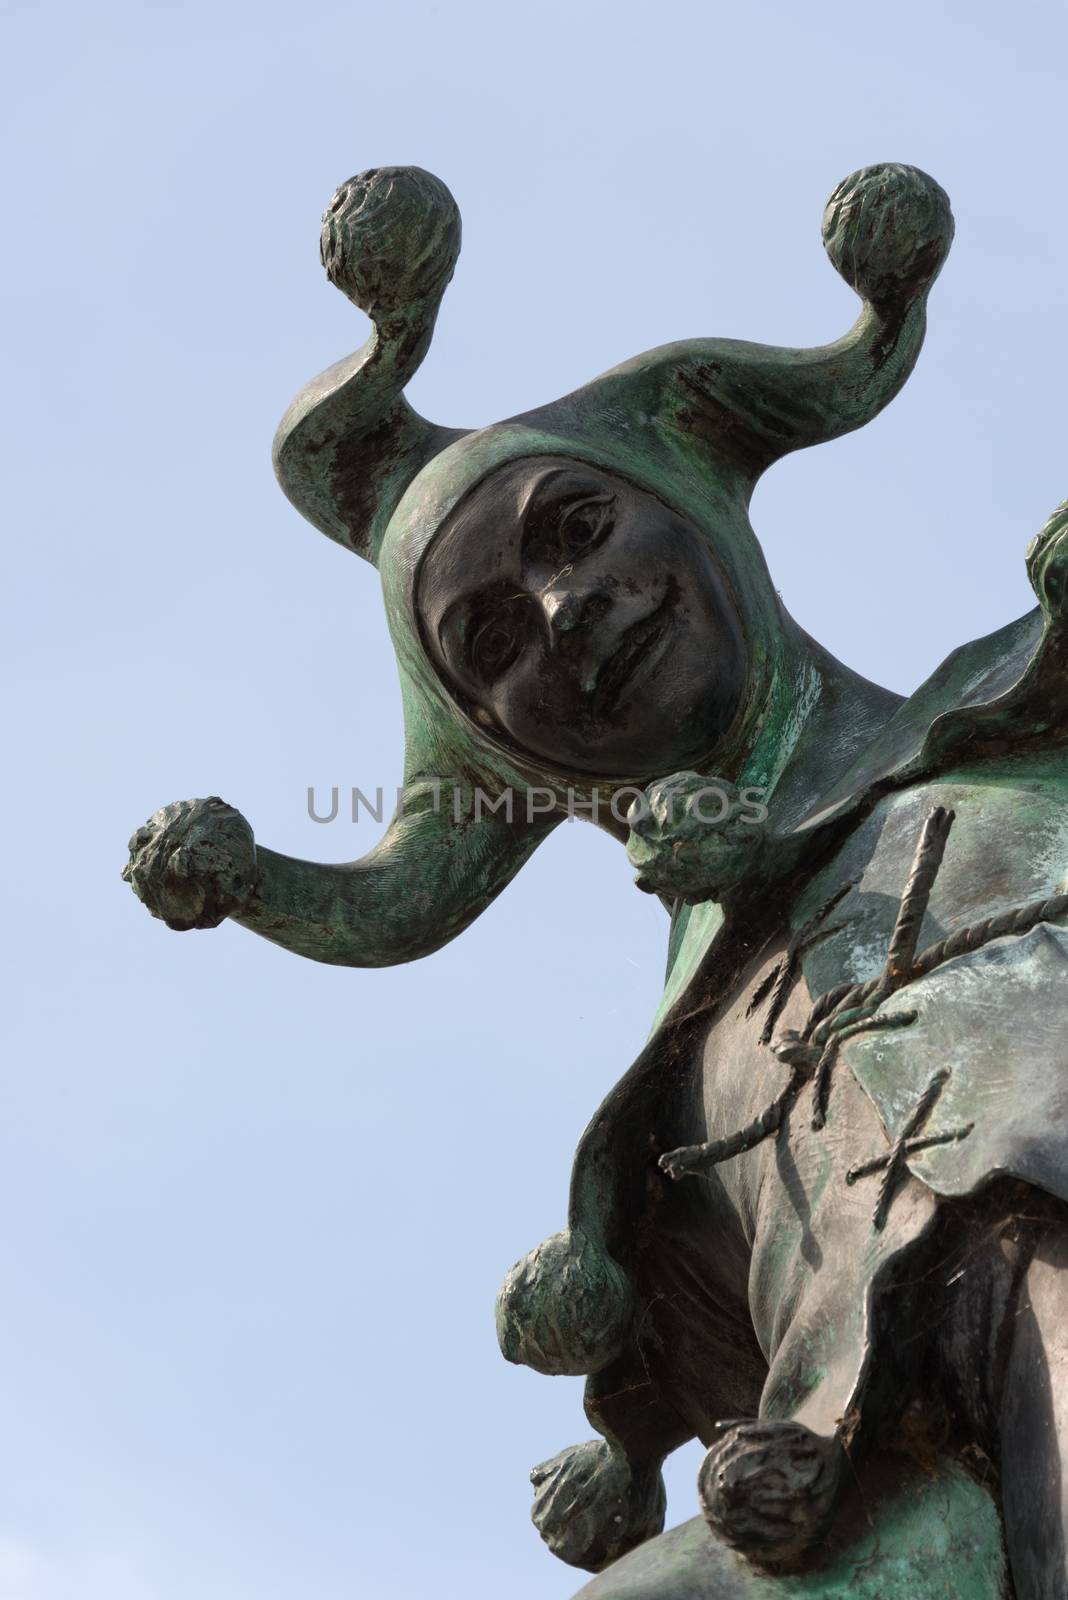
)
(584, 523)
(494, 646)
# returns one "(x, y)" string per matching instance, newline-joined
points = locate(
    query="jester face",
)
(583, 621)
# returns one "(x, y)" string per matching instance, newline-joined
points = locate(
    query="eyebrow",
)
(549, 481)
(541, 484)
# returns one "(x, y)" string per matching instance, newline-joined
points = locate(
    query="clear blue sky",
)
(255, 1211)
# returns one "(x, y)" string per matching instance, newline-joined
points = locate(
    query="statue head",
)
(582, 621)
(576, 596)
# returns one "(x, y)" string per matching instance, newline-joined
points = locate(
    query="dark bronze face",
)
(584, 621)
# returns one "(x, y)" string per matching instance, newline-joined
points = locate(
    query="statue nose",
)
(573, 609)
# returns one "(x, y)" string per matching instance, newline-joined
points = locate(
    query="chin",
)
(649, 760)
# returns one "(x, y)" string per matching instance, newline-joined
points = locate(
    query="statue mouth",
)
(635, 650)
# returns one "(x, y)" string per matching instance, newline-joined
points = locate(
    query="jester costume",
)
(853, 1082)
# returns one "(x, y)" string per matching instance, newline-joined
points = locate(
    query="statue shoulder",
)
(1008, 848)
(946, 952)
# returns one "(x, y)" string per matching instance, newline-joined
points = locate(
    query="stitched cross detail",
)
(910, 1142)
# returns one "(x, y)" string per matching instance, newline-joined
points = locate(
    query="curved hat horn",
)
(887, 230)
(350, 443)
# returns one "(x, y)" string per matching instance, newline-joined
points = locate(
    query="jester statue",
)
(821, 1224)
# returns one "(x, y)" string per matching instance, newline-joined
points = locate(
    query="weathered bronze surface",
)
(820, 1223)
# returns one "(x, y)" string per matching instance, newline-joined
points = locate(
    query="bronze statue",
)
(820, 1224)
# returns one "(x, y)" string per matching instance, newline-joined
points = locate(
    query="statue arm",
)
(195, 863)
(386, 908)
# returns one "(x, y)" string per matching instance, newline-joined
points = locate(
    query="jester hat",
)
(695, 422)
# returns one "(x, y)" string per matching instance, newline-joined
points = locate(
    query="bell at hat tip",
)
(1047, 565)
(887, 230)
(390, 239)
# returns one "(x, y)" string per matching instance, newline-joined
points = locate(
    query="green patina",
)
(921, 1535)
(847, 772)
